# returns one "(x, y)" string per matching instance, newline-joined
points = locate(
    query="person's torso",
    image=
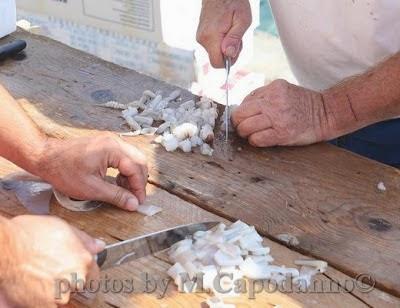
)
(7, 17)
(327, 41)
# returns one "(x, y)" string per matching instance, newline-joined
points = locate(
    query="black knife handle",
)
(11, 49)
(101, 257)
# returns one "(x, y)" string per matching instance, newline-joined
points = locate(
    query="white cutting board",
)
(7, 17)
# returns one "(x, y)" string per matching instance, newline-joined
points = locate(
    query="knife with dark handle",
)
(11, 49)
(135, 248)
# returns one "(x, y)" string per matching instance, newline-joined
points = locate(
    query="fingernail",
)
(132, 204)
(230, 52)
(100, 243)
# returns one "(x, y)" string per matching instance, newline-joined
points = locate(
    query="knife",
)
(138, 247)
(228, 63)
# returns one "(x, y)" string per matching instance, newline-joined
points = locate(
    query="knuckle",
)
(280, 84)
(142, 159)
(199, 37)
(248, 21)
(64, 298)
(242, 132)
(203, 36)
(235, 36)
(119, 198)
(87, 259)
(254, 141)
(214, 62)
(107, 138)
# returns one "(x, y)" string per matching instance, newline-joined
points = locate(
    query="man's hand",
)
(283, 114)
(46, 260)
(77, 168)
(221, 28)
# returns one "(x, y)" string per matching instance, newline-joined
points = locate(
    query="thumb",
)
(116, 195)
(94, 246)
(232, 42)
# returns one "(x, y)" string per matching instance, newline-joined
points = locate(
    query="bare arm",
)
(20, 140)
(365, 99)
(284, 114)
(7, 252)
(76, 167)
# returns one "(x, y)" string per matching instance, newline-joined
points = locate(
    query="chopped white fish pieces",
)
(130, 112)
(170, 142)
(217, 302)
(319, 265)
(305, 277)
(207, 133)
(236, 250)
(149, 210)
(185, 146)
(205, 149)
(190, 123)
(185, 130)
(144, 120)
(133, 125)
(196, 141)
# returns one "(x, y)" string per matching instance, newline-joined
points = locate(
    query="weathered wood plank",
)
(113, 224)
(324, 196)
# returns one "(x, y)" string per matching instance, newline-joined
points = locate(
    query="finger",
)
(215, 54)
(253, 125)
(132, 164)
(233, 39)
(93, 245)
(135, 156)
(265, 138)
(136, 178)
(246, 110)
(255, 94)
(123, 181)
(138, 188)
(64, 297)
(92, 278)
(116, 195)
(237, 57)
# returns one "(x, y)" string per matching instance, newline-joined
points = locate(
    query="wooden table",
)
(326, 197)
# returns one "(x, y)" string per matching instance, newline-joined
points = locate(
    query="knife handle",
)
(10, 49)
(101, 257)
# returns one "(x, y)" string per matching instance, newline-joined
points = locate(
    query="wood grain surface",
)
(324, 196)
(112, 225)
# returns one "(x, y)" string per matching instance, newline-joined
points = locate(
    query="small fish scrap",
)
(381, 187)
(183, 125)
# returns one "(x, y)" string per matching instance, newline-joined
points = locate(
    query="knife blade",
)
(135, 248)
(228, 63)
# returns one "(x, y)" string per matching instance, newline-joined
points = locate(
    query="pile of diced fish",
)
(236, 250)
(180, 125)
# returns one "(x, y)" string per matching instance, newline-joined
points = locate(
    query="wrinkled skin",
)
(77, 167)
(42, 252)
(282, 114)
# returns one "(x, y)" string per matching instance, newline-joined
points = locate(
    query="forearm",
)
(20, 140)
(6, 256)
(365, 99)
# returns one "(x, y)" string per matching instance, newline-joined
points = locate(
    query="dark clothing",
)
(380, 142)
